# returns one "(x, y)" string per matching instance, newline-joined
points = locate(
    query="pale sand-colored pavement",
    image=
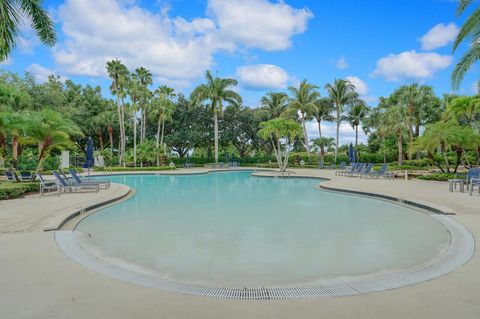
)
(38, 281)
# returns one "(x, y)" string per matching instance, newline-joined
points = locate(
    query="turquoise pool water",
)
(232, 229)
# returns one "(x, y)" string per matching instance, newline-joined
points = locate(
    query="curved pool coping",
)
(460, 250)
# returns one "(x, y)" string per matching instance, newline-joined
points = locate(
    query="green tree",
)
(274, 104)
(134, 90)
(12, 16)
(341, 92)
(322, 111)
(145, 78)
(468, 30)
(303, 101)
(165, 107)
(393, 121)
(118, 73)
(357, 113)
(49, 129)
(217, 91)
(323, 143)
(282, 133)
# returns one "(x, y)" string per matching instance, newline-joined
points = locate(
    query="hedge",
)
(9, 190)
(133, 169)
(441, 177)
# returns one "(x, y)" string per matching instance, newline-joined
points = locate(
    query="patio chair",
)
(342, 166)
(63, 185)
(352, 168)
(472, 173)
(321, 165)
(366, 171)
(380, 173)
(77, 179)
(357, 170)
(12, 176)
(475, 181)
(46, 185)
(26, 176)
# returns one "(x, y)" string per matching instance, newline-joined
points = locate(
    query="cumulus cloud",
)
(176, 50)
(258, 23)
(342, 63)
(41, 73)
(360, 85)
(411, 65)
(439, 36)
(262, 76)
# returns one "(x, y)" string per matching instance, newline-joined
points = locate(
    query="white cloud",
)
(262, 76)
(342, 63)
(41, 73)
(411, 65)
(439, 36)
(360, 85)
(347, 133)
(174, 49)
(258, 23)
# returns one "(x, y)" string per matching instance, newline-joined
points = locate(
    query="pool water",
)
(236, 230)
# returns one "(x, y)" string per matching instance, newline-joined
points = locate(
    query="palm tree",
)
(323, 143)
(472, 55)
(165, 107)
(341, 92)
(145, 77)
(466, 110)
(216, 91)
(393, 120)
(274, 104)
(119, 73)
(49, 129)
(357, 113)
(303, 101)
(322, 111)
(13, 13)
(279, 131)
(134, 89)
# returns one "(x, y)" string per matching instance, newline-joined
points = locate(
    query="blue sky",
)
(266, 45)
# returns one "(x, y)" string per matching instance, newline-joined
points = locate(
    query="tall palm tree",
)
(49, 129)
(145, 77)
(217, 91)
(468, 30)
(303, 101)
(322, 111)
(12, 15)
(134, 90)
(342, 92)
(274, 104)
(165, 106)
(279, 131)
(357, 113)
(118, 73)
(393, 120)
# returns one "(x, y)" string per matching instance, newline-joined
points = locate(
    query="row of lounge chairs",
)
(471, 180)
(365, 170)
(64, 183)
(24, 176)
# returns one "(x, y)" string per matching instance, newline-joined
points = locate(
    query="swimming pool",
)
(231, 229)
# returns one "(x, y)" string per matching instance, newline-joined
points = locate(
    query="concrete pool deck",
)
(38, 281)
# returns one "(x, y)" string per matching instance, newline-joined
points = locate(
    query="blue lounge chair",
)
(12, 176)
(357, 170)
(352, 168)
(63, 185)
(475, 181)
(46, 185)
(472, 173)
(366, 171)
(78, 180)
(342, 166)
(380, 173)
(26, 176)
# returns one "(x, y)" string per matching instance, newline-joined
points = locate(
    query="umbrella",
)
(351, 153)
(89, 152)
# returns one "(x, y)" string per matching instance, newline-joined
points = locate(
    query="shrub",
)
(441, 177)
(149, 168)
(10, 190)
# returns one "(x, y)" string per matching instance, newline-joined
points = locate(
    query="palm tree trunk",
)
(356, 137)
(121, 130)
(158, 139)
(100, 139)
(307, 145)
(410, 140)
(163, 131)
(319, 129)
(42, 153)
(400, 148)
(215, 119)
(110, 136)
(336, 142)
(15, 149)
(134, 141)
